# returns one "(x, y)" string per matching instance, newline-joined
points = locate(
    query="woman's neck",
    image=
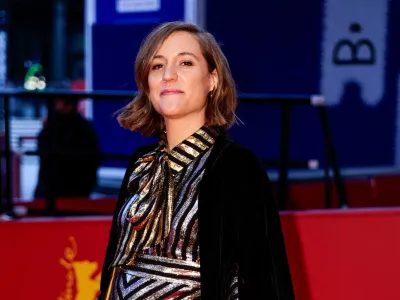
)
(180, 129)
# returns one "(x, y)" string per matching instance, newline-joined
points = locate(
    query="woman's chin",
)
(170, 113)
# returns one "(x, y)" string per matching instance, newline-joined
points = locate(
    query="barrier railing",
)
(283, 163)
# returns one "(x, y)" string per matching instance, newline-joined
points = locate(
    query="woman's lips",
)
(171, 92)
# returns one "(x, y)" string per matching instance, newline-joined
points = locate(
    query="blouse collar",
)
(190, 148)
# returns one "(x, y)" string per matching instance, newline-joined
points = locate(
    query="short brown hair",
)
(139, 115)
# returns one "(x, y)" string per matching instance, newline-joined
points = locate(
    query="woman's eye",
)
(187, 63)
(157, 67)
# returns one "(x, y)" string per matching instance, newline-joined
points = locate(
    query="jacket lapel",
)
(211, 225)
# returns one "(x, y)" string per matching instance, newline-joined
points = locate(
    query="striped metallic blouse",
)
(158, 241)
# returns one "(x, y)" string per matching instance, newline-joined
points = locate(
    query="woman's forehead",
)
(179, 42)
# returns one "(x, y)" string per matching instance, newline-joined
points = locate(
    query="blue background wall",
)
(272, 47)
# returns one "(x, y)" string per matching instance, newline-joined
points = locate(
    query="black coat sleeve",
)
(113, 236)
(262, 260)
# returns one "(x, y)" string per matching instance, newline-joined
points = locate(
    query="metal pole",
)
(284, 157)
(327, 179)
(49, 179)
(331, 156)
(8, 155)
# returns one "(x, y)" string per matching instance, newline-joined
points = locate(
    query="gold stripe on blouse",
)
(159, 216)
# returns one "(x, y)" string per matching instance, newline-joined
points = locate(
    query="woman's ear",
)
(214, 80)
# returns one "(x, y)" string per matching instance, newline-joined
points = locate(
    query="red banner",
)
(333, 255)
(55, 259)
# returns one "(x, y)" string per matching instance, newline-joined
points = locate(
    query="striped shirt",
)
(158, 253)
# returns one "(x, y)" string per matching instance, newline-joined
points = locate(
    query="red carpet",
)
(333, 254)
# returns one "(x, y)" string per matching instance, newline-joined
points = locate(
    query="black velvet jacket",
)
(239, 227)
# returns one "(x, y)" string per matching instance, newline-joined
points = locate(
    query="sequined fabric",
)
(160, 216)
(160, 220)
(155, 277)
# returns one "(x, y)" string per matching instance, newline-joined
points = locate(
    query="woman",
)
(195, 215)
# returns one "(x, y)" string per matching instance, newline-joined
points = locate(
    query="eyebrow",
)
(179, 54)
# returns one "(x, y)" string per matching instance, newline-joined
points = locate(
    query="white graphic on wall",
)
(135, 6)
(3, 58)
(354, 48)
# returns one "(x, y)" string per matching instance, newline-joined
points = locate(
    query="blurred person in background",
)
(195, 217)
(69, 154)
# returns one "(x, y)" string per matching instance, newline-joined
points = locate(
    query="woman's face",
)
(179, 80)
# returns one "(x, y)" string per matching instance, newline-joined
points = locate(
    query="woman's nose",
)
(169, 73)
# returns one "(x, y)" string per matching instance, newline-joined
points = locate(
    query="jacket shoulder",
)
(236, 149)
(139, 152)
(142, 150)
(237, 158)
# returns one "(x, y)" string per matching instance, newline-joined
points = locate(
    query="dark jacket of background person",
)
(69, 156)
(239, 227)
